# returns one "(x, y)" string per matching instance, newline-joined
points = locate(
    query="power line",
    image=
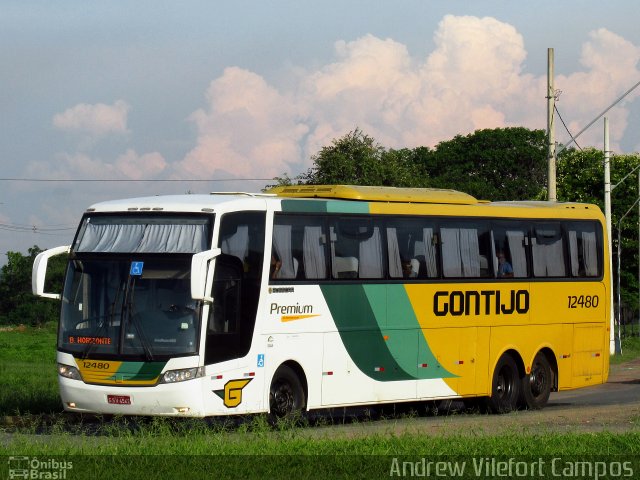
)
(33, 229)
(567, 128)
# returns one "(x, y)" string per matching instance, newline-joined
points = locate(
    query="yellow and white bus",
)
(314, 297)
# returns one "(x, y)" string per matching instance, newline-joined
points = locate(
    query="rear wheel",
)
(505, 386)
(536, 387)
(286, 395)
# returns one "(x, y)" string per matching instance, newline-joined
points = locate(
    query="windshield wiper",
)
(128, 317)
(104, 323)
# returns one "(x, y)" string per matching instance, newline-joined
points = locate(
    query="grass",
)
(630, 351)
(28, 378)
(164, 448)
(255, 436)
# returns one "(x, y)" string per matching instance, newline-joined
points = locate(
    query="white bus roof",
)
(180, 203)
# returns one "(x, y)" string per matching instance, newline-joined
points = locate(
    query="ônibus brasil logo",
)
(36, 468)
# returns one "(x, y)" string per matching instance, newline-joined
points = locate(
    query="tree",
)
(496, 164)
(357, 159)
(17, 304)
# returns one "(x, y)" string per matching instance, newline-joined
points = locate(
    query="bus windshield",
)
(127, 288)
(140, 308)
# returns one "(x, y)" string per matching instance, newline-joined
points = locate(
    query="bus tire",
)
(536, 386)
(505, 386)
(286, 395)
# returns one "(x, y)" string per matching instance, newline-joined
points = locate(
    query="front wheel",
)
(536, 387)
(505, 386)
(286, 395)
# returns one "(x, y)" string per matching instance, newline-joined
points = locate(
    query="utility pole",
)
(607, 214)
(551, 137)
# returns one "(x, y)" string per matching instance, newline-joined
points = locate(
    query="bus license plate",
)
(119, 399)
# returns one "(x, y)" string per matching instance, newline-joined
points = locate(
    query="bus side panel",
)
(587, 354)
(483, 374)
(455, 350)
(341, 382)
(582, 306)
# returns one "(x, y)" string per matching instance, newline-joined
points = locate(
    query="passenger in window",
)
(409, 268)
(276, 265)
(505, 270)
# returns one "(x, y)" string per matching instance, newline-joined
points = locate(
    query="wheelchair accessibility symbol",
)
(260, 360)
(136, 269)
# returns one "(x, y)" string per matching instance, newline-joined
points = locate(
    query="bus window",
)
(547, 250)
(412, 248)
(510, 241)
(584, 244)
(466, 250)
(299, 244)
(356, 248)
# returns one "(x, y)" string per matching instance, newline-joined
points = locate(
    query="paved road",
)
(623, 387)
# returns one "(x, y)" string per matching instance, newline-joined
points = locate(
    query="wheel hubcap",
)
(537, 380)
(283, 399)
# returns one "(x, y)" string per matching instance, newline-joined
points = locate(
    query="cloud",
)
(136, 167)
(251, 129)
(248, 128)
(611, 67)
(473, 79)
(97, 119)
(127, 166)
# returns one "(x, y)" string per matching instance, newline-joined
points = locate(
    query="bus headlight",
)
(68, 371)
(173, 376)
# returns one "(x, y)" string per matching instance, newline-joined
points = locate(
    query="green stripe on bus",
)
(360, 332)
(304, 206)
(324, 206)
(139, 370)
(405, 339)
(149, 371)
(385, 343)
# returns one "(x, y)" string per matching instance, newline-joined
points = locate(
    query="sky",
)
(118, 99)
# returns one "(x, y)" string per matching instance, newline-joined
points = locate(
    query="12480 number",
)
(583, 301)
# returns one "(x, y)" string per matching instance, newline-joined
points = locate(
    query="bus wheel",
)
(505, 387)
(286, 395)
(536, 386)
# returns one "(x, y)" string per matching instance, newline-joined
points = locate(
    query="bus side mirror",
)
(39, 271)
(200, 273)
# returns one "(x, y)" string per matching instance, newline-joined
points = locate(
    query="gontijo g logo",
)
(232, 393)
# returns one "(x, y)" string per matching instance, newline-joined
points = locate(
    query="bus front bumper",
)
(176, 399)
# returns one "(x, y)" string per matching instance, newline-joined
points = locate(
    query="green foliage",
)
(630, 351)
(17, 304)
(497, 164)
(580, 177)
(357, 159)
